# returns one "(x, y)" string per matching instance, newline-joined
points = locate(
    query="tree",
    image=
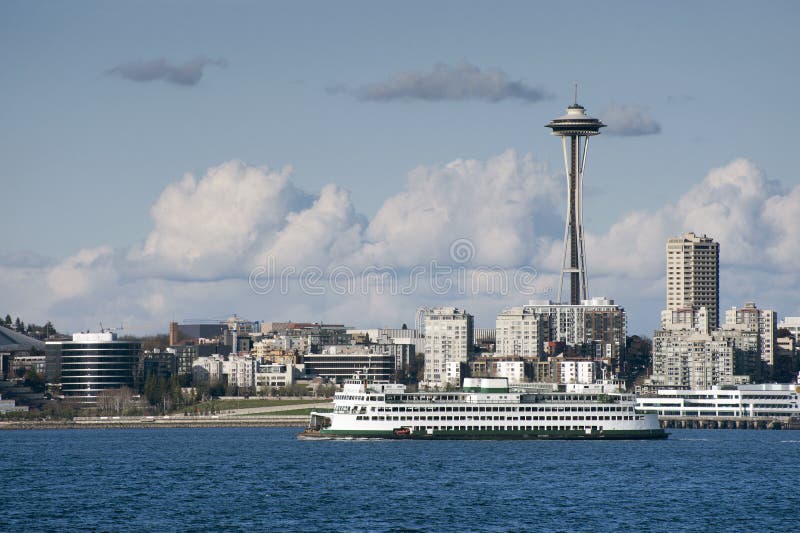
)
(34, 380)
(19, 325)
(151, 391)
(420, 364)
(8, 323)
(638, 356)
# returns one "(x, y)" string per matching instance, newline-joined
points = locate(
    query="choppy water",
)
(265, 479)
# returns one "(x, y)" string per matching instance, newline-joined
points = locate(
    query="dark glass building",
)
(93, 362)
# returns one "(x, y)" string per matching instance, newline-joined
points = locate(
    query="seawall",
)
(137, 422)
(694, 422)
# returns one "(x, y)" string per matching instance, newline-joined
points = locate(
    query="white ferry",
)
(486, 408)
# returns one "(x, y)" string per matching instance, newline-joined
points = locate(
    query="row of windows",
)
(471, 409)
(499, 418)
(505, 428)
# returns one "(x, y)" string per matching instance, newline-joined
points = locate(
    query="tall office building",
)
(93, 362)
(693, 275)
(448, 338)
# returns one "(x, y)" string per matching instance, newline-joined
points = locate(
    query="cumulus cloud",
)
(629, 121)
(212, 227)
(501, 205)
(328, 232)
(210, 231)
(753, 218)
(76, 275)
(186, 74)
(464, 81)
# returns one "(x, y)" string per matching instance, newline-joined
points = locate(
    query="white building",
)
(448, 338)
(453, 372)
(241, 371)
(514, 371)
(693, 274)
(276, 375)
(207, 369)
(766, 400)
(691, 357)
(688, 318)
(522, 331)
(761, 321)
(578, 371)
(10, 406)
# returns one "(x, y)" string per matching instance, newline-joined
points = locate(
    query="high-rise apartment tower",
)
(693, 275)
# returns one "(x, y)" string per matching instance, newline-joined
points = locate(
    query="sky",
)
(166, 160)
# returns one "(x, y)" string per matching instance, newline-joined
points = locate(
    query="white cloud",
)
(213, 227)
(209, 232)
(328, 231)
(501, 205)
(752, 218)
(629, 121)
(78, 274)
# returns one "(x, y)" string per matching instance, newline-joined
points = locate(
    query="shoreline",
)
(154, 423)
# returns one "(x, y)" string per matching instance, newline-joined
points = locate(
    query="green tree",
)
(638, 357)
(150, 391)
(8, 323)
(34, 380)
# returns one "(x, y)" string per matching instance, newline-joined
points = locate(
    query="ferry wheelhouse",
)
(485, 408)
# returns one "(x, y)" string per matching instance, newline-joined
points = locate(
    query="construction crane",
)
(111, 330)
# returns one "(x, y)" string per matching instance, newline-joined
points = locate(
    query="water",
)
(265, 479)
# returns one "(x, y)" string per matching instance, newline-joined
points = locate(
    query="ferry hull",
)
(633, 434)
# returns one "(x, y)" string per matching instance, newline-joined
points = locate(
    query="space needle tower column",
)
(576, 126)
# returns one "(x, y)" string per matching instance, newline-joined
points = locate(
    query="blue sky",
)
(86, 152)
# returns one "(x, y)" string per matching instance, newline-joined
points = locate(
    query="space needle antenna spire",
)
(576, 126)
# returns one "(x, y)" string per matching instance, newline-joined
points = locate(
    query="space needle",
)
(576, 126)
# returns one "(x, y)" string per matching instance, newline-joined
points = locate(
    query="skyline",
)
(399, 151)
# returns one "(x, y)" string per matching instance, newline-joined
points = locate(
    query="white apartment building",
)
(207, 369)
(688, 318)
(762, 321)
(241, 371)
(578, 372)
(522, 331)
(514, 371)
(453, 371)
(448, 338)
(689, 356)
(693, 274)
(275, 375)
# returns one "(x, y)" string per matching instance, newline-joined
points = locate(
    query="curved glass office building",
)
(93, 362)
